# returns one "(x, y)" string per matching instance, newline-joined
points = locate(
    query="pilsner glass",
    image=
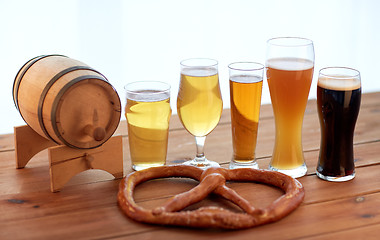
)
(246, 83)
(199, 103)
(148, 113)
(338, 100)
(290, 66)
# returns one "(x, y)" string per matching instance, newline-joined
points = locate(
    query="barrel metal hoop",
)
(28, 64)
(58, 99)
(46, 90)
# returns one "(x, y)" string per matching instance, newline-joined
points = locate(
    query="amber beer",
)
(246, 83)
(199, 102)
(148, 113)
(338, 100)
(289, 81)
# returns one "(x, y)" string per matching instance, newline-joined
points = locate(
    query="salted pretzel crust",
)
(211, 180)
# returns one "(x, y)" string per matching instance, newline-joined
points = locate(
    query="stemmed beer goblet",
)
(199, 103)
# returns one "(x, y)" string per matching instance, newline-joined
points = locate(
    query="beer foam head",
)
(339, 78)
(339, 82)
(200, 71)
(290, 64)
(147, 91)
(246, 78)
(148, 96)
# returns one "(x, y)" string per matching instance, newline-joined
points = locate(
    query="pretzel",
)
(212, 180)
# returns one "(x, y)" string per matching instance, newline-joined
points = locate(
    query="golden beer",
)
(199, 102)
(245, 93)
(148, 124)
(289, 81)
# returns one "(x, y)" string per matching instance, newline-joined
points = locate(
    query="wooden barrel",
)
(65, 100)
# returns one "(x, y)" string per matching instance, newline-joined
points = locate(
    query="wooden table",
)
(86, 208)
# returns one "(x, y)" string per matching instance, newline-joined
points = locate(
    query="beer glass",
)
(199, 103)
(338, 101)
(290, 65)
(148, 113)
(246, 83)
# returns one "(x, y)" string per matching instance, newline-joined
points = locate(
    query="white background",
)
(146, 39)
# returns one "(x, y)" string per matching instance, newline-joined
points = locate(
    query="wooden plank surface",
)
(86, 208)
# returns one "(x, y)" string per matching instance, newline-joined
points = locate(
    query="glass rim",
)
(280, 41)
(212, 62)
(258, 66)
(338, 70)
(148, 85)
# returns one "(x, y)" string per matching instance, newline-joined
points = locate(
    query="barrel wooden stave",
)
(68, 105)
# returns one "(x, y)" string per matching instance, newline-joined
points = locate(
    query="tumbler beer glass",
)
(148, 113)
(338, 101)
(246, 82)
(199, 103)
(290, 65)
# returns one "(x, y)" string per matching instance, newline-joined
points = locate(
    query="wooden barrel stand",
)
(66, 162)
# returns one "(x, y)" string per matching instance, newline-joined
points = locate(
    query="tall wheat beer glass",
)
(338, 100)
(290, 65)
(246, 83)
(148, 113)
(199, 103)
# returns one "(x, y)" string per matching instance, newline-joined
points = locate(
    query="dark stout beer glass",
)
(338, 100)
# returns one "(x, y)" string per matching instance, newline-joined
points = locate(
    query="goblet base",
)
(202, 164)
(336, 179)
(294, 173)
(138, 167)
(234, 164)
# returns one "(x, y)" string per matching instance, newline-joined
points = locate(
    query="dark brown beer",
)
(338, 108)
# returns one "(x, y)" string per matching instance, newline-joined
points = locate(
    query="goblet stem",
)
(200, 160)
(200, 142)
